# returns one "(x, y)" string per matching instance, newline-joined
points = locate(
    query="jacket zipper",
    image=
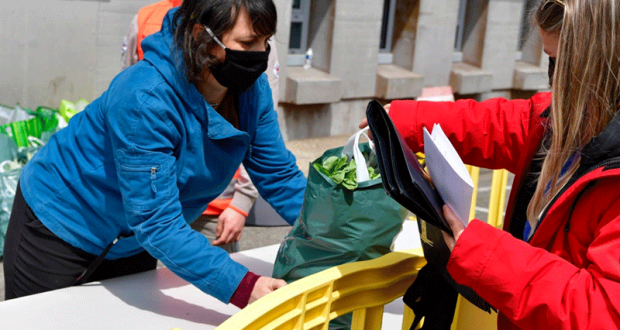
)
(153, 178)
(142, 169)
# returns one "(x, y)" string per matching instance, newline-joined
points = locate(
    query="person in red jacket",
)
(224, 219)
(556, 263)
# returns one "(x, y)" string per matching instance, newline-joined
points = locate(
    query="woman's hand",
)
(264, 286)
(455, 224)
(364, 122)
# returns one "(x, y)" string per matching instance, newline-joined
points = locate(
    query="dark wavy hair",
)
(220, 16)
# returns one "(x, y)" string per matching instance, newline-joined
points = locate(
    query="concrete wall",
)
(57, 50)
(63, 49)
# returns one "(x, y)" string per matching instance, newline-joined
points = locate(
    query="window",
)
(460, 26)
(298, 41)
(387, 25)
(387, 31)
(459, 39)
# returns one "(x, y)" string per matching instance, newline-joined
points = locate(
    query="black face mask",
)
(240, 68)
(551, 70)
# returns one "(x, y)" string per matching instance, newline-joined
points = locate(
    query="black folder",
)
(406, 182)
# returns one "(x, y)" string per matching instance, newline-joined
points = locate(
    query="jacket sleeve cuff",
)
(241, 297)
(473, 250)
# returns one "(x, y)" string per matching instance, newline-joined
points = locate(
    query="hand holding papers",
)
(448, 173)
(406, 182)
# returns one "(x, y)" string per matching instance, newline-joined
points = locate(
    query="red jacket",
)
(568, 276)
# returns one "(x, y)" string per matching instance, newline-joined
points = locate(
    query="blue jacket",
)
(148, 156)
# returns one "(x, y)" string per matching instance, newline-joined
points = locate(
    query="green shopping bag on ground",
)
(22, 123)
(49, 122)
(69, 109)
(22, 133)
(12, 160)
(19, 123)
(338, 225)
(10, 170)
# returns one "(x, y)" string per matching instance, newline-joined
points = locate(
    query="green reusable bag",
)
(338, 225)
(19, 124)
(12, 160)
(10, 169)
(22, 123)
(69, 109)
(49, 122)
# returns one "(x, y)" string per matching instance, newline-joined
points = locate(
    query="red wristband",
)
(242, 295)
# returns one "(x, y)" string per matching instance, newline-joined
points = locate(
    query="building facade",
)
(361, 50)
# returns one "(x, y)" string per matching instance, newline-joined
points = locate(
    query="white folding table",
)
(153, 300)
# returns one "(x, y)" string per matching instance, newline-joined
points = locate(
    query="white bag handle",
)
(351, 149)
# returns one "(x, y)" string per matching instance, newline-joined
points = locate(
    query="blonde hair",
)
(548, 15)
(585, 89)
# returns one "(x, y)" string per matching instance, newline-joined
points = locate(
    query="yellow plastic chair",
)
(497, 200)
(362, 287)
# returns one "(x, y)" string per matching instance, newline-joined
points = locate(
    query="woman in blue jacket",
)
(145, 158)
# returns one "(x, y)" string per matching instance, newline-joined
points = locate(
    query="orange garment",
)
(217, 206)
(150, 19)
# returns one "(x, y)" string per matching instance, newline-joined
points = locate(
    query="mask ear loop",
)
(214, 37)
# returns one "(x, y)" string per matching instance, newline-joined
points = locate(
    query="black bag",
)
(403, 178)
(406, 182)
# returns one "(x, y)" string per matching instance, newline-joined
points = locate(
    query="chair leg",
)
(367, 318)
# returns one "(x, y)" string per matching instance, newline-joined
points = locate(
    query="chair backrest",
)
(362, 287)
(497, 198)
(497, 195)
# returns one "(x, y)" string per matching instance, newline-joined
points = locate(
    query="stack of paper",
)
(448, 173)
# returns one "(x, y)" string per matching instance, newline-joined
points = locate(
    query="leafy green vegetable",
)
(342, 171)
(373, 174)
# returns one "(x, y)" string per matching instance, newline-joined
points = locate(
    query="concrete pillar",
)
(492, 33)
(424, 32)
(344, 35)
(532, 51)
(531, 71)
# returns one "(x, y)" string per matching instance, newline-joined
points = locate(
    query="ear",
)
(197, 30)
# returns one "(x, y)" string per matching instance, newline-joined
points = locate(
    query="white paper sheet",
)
(448, 173)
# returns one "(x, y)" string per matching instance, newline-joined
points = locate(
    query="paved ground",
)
(305, 152)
